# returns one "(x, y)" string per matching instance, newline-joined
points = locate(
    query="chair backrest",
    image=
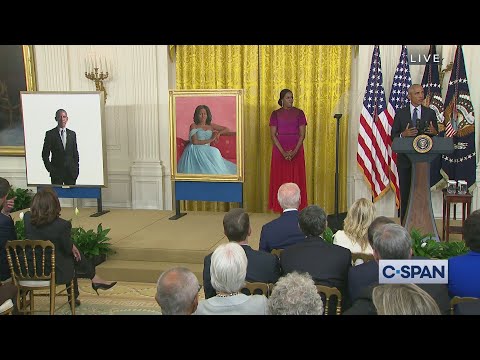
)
(457, 300)
(31, 260)
(256, 288)
(327, 292)
(277, 252)
(362, 256)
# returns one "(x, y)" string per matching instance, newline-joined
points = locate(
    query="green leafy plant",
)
(328, 235)
(20, 229)
(92, 243)
(424, 245)
(23, 198)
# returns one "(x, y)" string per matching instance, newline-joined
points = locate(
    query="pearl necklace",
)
(228, 295)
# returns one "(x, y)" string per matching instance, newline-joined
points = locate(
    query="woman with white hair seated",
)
(228, 271)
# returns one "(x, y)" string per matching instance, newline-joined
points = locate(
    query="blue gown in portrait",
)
(204, 159)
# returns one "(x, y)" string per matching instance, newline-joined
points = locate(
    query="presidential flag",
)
(433, 100)
(398, 99)
(373, 134)
(459, 124)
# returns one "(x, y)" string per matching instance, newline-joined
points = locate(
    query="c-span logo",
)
(413, 272)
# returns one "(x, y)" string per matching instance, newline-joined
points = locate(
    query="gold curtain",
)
(224, 67)
(319, 77)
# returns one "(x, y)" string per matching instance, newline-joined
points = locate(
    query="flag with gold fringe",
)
(433, 100)
(459, 123)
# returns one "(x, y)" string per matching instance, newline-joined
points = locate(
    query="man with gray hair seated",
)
(393, 242)
(283, 231)
(295, 294)
(228, 270)
(177, 291)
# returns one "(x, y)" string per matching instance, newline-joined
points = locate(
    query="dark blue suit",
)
(281, 232)
(7, 232)
(360, 277)
(463, 279)
(262, 267)
(327, 264)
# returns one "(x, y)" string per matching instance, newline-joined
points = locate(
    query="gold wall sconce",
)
(97, 71)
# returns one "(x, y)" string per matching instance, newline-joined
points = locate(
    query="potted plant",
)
(23, 198)
(94, 245)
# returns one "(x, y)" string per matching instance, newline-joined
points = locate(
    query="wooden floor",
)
(146, 242)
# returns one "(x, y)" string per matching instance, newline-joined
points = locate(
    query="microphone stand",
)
(335, 221)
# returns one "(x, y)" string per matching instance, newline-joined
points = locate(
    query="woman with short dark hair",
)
(43, 222)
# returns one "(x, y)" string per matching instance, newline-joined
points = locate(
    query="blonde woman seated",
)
(354, 235)
(403, 299)
(228, 271)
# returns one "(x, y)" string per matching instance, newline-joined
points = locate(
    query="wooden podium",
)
(419, 213)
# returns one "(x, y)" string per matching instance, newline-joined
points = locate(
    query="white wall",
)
(137, 119)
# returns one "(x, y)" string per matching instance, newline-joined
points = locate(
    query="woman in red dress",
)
(287, 130)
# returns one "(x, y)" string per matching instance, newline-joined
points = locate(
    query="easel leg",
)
(178, 214)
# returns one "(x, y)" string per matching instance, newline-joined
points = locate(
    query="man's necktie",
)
(414, 117)
(63, 138)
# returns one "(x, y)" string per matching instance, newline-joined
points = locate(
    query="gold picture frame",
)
(15, 57)
(191, 162)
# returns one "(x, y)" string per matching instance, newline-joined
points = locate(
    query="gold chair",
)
(328, 292)
(362, 256)
(256, 288)
(32, 266)
(276, 252)
(457, 300)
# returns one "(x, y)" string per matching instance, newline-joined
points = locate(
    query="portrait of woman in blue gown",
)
(199, 157)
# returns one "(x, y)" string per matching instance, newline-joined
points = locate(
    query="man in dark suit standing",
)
(61, 142)
(262, 267)
(412, 120)
(283, 231)
(328, 264)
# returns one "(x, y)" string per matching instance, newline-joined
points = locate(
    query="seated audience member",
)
(283, 231)
(393, 242)
(403, 299)
(360, 276)
(177, 291)
(295, 294)
(354, 235)
(7, 228)
(467, 308)
(327, 264)
(228, 270)
(262, 267)
(460, 268)
(43, 222)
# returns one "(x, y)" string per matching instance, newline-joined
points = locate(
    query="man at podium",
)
(410, 121)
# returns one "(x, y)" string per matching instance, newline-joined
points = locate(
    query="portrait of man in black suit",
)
(61, 144)
(410, 121)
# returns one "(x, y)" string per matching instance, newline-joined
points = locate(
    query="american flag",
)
(433, 99)
(373, 136)
(398, 99)
(460, 116)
